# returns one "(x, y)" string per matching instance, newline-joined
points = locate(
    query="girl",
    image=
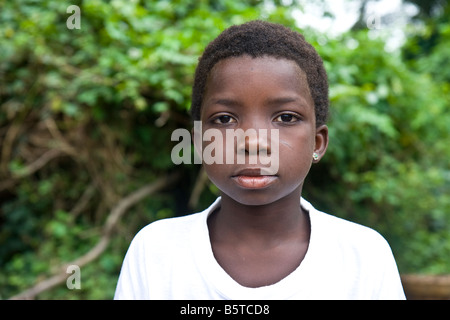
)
(260, 239)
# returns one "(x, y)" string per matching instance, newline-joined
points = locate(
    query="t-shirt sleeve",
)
(132, 284)
(388, 282)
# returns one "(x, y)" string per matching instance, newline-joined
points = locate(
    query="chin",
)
(253, 197)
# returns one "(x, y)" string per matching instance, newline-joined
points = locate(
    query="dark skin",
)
(260, 234)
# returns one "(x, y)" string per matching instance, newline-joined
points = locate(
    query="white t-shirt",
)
(173, 259)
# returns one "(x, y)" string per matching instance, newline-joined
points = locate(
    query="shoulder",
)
(168, 229)
(361, 256)
(348, 230)
(168, 235)
(152, 254)
(175, 224)
(347, 234)
(176, 230)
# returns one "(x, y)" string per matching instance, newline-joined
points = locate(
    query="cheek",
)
(214, 152)
(296, 152)
(213, 147)
(219, 175)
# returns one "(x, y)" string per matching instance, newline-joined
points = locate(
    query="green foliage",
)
(86, 118)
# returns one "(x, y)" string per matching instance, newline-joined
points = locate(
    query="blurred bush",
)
(86, 117)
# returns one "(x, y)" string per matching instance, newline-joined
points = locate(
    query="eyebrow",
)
(283, 100)
(225, 102)
(279, 101)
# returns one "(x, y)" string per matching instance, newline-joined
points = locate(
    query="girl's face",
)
(261, 93)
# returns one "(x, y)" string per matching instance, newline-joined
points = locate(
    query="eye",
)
(224, 119)
(286, 117)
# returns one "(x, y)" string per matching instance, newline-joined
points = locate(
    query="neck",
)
(262, 225)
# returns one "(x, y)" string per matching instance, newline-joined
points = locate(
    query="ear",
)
(321, 141)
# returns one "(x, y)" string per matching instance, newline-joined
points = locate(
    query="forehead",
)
(240, 75)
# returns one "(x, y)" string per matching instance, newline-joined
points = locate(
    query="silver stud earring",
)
(315, 156)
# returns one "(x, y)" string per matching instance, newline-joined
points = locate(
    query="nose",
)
(256, 144)
(253, 140)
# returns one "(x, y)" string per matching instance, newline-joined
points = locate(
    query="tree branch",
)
(113, 218)
(31, 168)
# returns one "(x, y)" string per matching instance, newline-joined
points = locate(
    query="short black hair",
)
(257, 39)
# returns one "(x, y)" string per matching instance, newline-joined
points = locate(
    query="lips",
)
(254, 178)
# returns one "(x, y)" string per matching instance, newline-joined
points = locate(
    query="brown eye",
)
(224, 119)
(286, 117)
